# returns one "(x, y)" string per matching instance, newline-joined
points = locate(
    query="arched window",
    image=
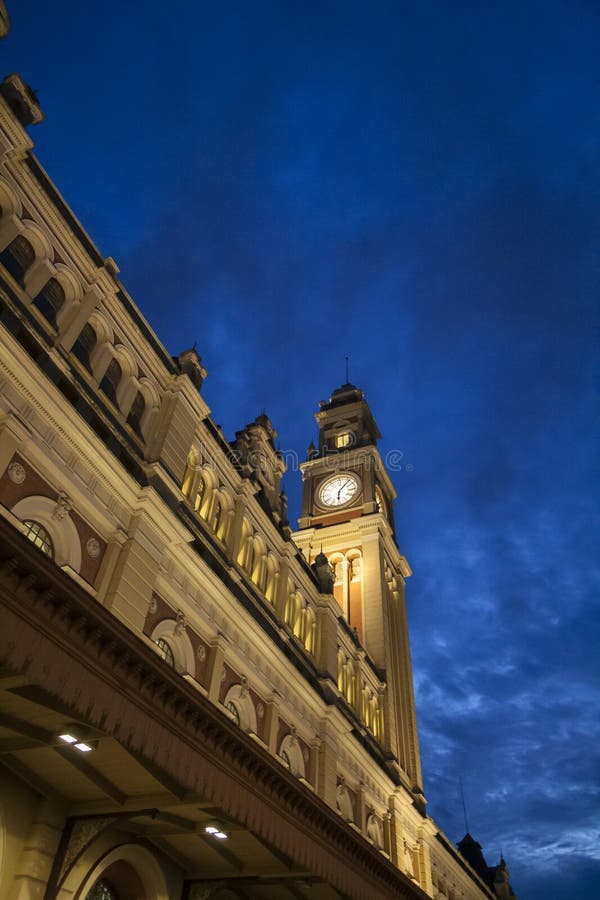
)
(344, 803)
(290, 752)
(50, 300)
(38, 535)
(136, 412)
(375, 831)
(217, 515)
(341, 671)
(200, 494)
(309, 630)
(18, 257)
(239, 704)
(165, 652)
(233, 711)
(102, 890)
(259, 568)
(84, 345)
(110, 382)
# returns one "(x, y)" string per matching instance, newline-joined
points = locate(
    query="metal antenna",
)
(347, 378)
(462, 794)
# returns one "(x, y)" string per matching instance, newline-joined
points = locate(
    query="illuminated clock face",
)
(339, 490)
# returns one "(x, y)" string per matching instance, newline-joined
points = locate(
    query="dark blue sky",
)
(415, 185)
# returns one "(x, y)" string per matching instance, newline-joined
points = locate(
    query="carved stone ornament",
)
(305, 754)
(181, 623)
(152, 605)
(93, 547)
(63, 505)
(410, 860)
(243, 687)
(16, 473)
(201, 652)
(83, 833)
(260, 711)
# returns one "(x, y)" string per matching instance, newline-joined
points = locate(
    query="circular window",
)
(165, 651)
(38, 536)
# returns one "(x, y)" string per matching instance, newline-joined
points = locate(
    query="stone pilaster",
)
(215, 668)
(37, 857)
(327, 765)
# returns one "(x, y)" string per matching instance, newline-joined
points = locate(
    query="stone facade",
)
(193, 702)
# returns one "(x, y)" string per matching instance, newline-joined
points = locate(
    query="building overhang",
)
(66, 659)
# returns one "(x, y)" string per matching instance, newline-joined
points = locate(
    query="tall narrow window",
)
(110, 382)
(199, 500)
(18, 257)
(136, 412)
(217, 516)
(344, 439)
(50, 300)
(84, 345)
(38, 535)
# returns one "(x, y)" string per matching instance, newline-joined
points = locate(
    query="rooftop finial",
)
(347, 377)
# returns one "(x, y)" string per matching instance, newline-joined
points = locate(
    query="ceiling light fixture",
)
(216, 832)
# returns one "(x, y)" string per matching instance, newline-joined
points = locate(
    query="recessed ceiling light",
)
(67, 738)
(221, 835)
(210, 829)
(85, 748)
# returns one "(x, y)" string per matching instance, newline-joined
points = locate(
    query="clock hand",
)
(342, 487)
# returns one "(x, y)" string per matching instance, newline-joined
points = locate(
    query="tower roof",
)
(346, 393)
(472, 852)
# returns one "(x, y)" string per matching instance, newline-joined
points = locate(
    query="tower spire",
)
(464, 805)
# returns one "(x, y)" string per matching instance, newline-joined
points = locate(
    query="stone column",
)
(215, 668)
(78, 315)
(424, 860)
(326, 644)
(10, 227)
(361, 809)
(282, 588)
(327, 765)
(272, 723)
(37, 276)
(13, 434)
(37, 857)
(235, 531)
(108, 564)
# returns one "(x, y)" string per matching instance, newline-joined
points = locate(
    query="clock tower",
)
(347, 514)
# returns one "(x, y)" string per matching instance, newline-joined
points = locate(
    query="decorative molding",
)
(16, 473)
(82, 833)
(93, 547)
(63, 506)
